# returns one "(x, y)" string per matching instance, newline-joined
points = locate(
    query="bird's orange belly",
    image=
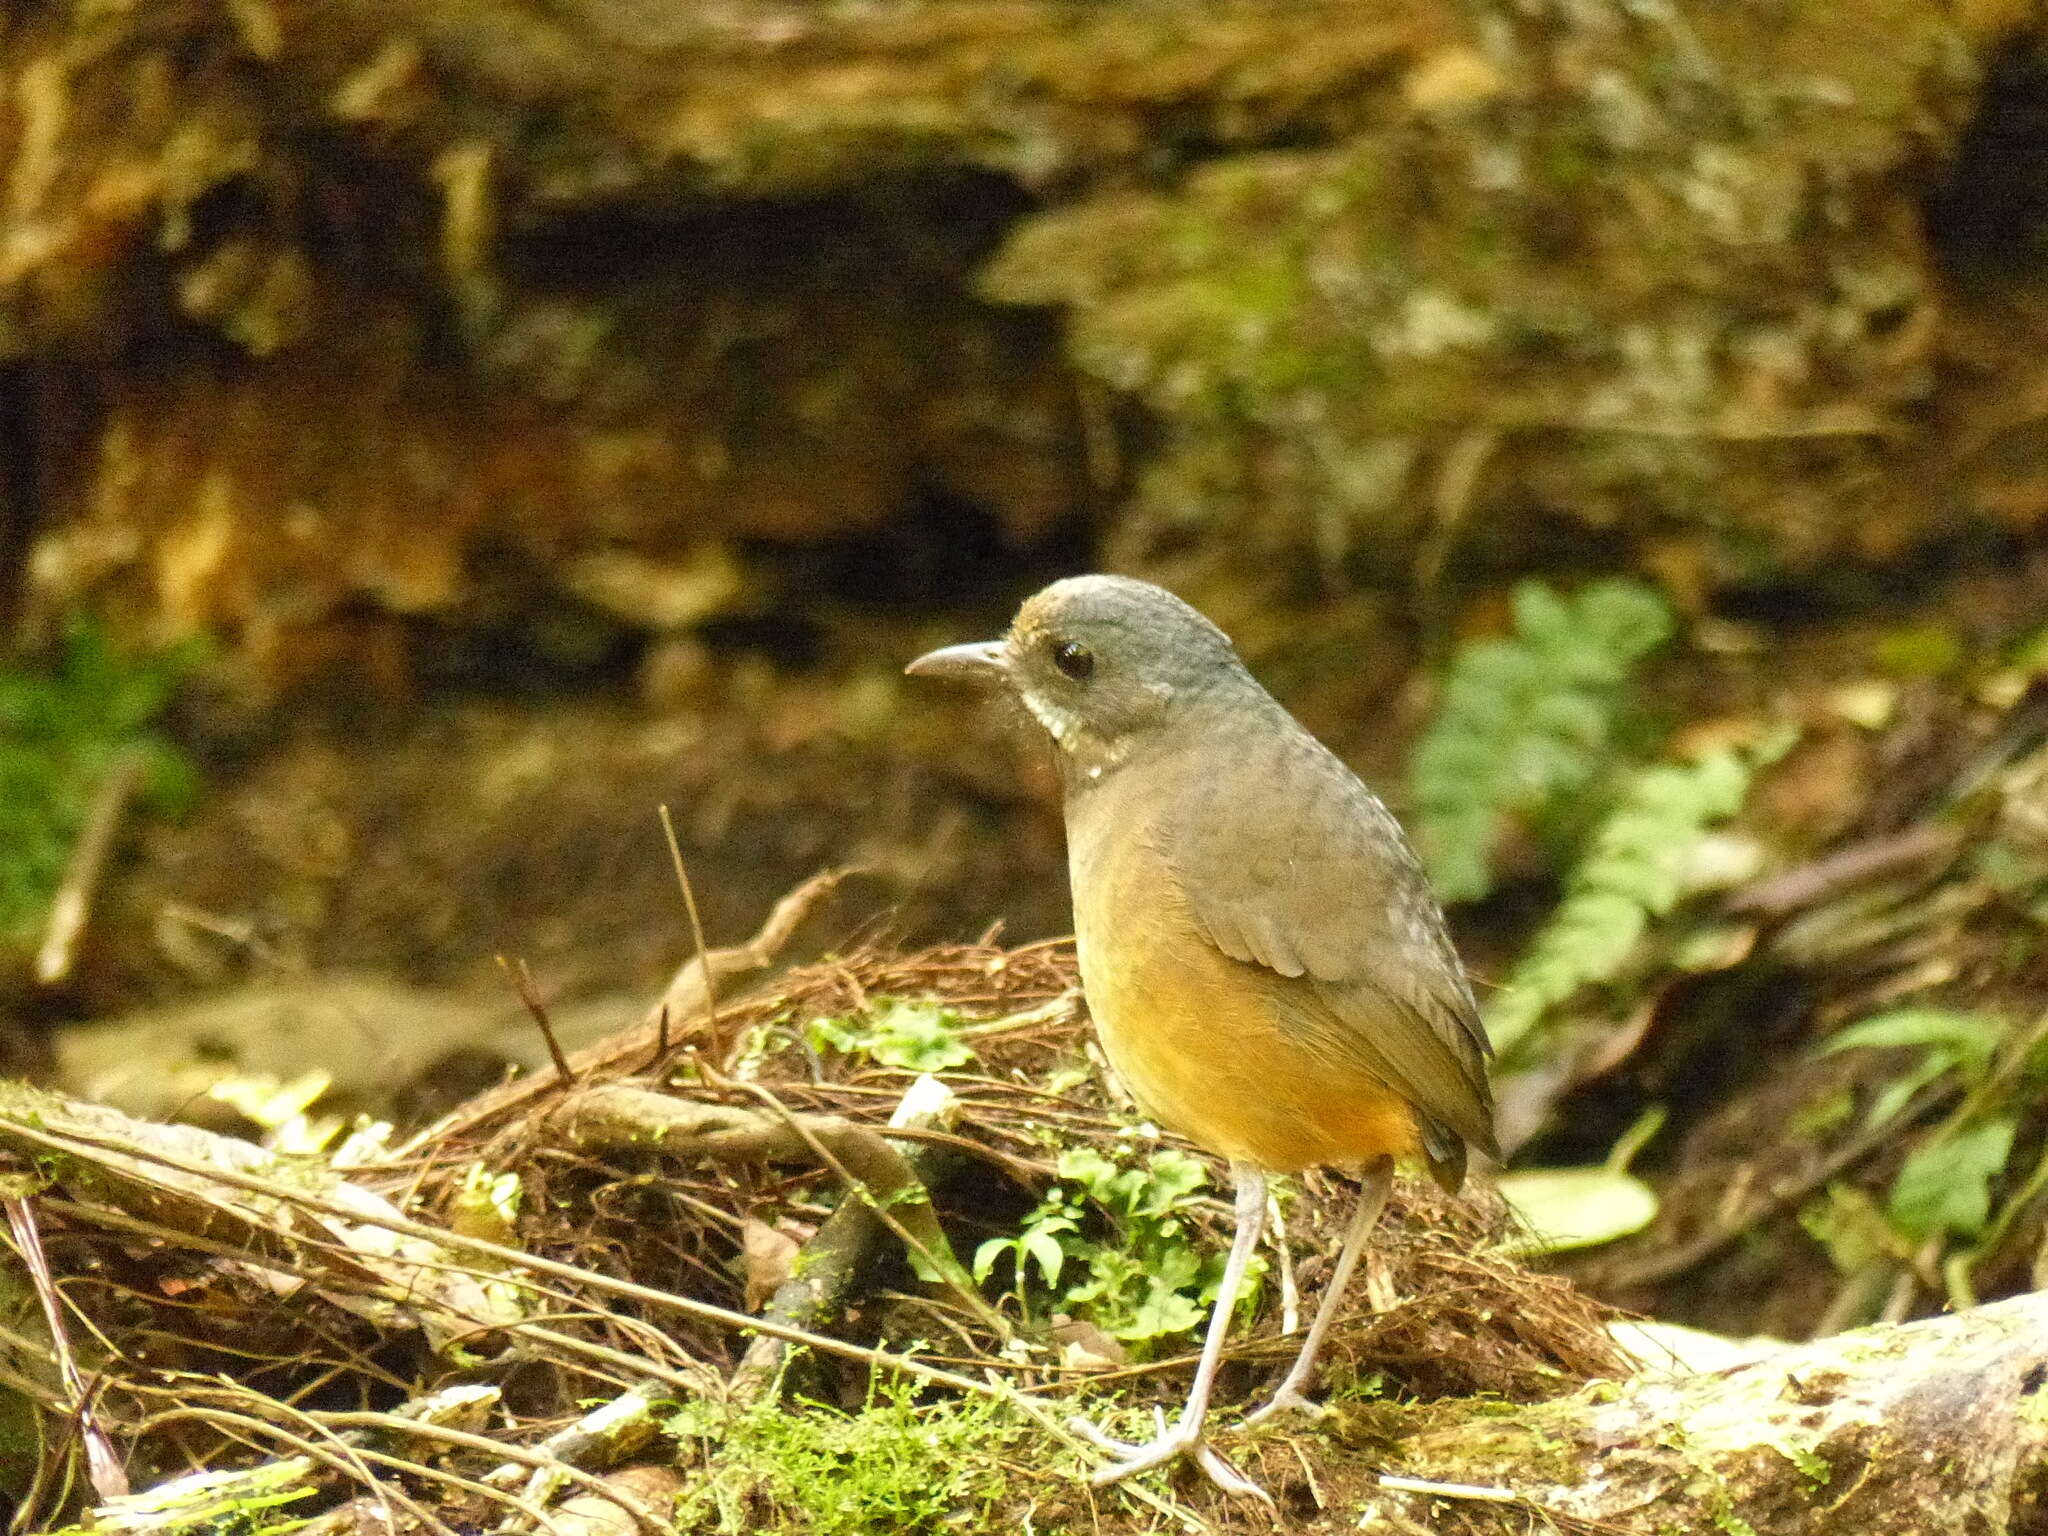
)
(1193, 1037)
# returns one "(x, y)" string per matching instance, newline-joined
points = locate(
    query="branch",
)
(619, 1118)
(684, 1002)
(834, 1268)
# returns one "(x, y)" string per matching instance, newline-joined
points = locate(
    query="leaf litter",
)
(248, 1309)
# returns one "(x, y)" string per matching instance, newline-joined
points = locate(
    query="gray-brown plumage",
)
(1316, 883)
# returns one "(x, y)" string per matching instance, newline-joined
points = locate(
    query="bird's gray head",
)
(1102, 662)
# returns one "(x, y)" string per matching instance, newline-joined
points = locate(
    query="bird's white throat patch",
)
(1091, 751)
(1063, 725)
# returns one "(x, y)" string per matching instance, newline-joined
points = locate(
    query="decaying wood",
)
(604, 1437)
(843, 1251)
(622, 1118)
(1933, 1427)
(604, 1513)
(835, 1263)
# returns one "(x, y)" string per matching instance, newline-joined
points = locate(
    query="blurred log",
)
(1932, 1428)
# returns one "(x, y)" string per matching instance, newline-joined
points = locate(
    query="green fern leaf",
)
(1945, 1184)
(1633, 870)
(1528, 722)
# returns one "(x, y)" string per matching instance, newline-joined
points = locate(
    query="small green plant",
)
(915, 1036)
(1855, 1233)
(62, 730)
(1633, 869)
(1530, 725)
(1940, 1211)
(1946, 1039)
(1147, 1281)
(900, 1466)
(1944, 1185)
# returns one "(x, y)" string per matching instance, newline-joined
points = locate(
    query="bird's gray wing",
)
(1314, 880)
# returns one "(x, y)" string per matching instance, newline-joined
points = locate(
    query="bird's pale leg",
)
(1185, 1436)
(1372, 1199)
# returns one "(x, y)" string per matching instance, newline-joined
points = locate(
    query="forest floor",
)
(839, 1241)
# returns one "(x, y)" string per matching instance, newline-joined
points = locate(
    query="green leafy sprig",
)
(1528, 724)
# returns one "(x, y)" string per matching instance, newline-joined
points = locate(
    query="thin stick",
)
(942, 1261)
(1290, 1293)
(675, 853)
(53, 1462)
(351, 1462)
(522, 983)
(682, 995)
(72, 909)
(1477, 1493)
(109, 1481)
(243, 1430)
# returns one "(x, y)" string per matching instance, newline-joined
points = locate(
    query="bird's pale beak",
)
(982, 663)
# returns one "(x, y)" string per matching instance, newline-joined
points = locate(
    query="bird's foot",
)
(1183, 1439)
(1287, 1401)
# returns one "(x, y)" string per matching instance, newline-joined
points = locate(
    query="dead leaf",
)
(1085, 1347)
(768, 1257)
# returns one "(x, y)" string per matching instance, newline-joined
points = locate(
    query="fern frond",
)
(1633, 870)
(1528, 722)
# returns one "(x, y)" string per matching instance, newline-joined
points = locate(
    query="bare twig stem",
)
(109, 1481)
(72, 909)
(898, 1185)
(522, 983)
(831, 1271)
(682, 998)
(675, 853)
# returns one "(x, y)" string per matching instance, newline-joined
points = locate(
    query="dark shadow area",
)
(1990, 216)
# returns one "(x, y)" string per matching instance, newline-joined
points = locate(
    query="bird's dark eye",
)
(1077, 661)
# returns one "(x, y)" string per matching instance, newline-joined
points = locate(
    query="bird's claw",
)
(1183, 1439)
(1229, 1479)
(1286, 1401)
(1092, 1432)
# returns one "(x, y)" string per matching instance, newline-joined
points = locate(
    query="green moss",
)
(1600, 273)
(899, 1467)
(1469, 1439)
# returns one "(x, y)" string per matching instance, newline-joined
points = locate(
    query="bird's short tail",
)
(1445, 1150)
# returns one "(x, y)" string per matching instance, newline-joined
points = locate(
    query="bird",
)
(1267, 969)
